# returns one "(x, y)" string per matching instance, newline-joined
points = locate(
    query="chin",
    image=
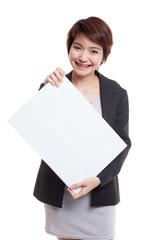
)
(82, 73)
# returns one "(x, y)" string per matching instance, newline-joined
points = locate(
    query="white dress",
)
(77, 219)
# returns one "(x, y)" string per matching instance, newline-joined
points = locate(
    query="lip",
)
(82, 66)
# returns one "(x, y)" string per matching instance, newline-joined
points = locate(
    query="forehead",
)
(85, 42)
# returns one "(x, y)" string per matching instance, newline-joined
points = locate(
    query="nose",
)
(83, 56)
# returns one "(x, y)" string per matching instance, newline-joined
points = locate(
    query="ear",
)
(103, 60)
(101, 63)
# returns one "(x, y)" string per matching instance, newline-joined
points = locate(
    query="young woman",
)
(89, 214)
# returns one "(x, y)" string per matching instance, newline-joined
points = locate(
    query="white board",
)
(67, 132)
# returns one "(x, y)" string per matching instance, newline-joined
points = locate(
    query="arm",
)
(104, 177)
(121, 127)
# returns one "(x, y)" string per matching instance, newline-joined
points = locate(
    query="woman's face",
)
(85, 56)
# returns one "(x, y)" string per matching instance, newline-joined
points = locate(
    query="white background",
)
(33, 44)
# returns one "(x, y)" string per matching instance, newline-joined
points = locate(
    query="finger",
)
(58, 75)
(76, 185)
(54, 79)
(83, 192)
(49, 80)
(78, 195)
(61, 71)
(72, 193)
(46, 81)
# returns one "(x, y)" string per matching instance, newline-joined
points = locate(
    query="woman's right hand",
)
(55, 78)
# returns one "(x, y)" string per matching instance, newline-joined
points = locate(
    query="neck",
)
(84, 81)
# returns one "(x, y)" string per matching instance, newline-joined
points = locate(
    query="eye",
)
(77, 48)
(94, 52)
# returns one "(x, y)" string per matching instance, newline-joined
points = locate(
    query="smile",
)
(82, 66)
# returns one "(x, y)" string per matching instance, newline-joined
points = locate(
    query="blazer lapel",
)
(108, 94)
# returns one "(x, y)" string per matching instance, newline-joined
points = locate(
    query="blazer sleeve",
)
(41, 86)
(121, 127)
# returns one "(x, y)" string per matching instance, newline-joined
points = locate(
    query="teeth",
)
(82, 65)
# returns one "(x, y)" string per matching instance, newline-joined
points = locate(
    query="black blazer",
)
(114, 102)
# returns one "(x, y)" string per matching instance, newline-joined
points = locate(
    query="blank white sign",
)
(67, 132)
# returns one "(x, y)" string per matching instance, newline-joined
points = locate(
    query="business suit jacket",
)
(114, 102)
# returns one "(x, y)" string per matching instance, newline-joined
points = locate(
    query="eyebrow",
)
(77, 43)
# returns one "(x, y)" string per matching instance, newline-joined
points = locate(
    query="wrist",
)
(98, 181)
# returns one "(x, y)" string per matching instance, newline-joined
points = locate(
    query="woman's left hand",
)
(87, 185)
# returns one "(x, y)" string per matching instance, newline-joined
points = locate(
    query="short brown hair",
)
(96, 30)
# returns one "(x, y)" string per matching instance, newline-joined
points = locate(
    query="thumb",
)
(76, 185)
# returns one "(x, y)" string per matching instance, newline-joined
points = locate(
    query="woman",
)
(89, 214)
